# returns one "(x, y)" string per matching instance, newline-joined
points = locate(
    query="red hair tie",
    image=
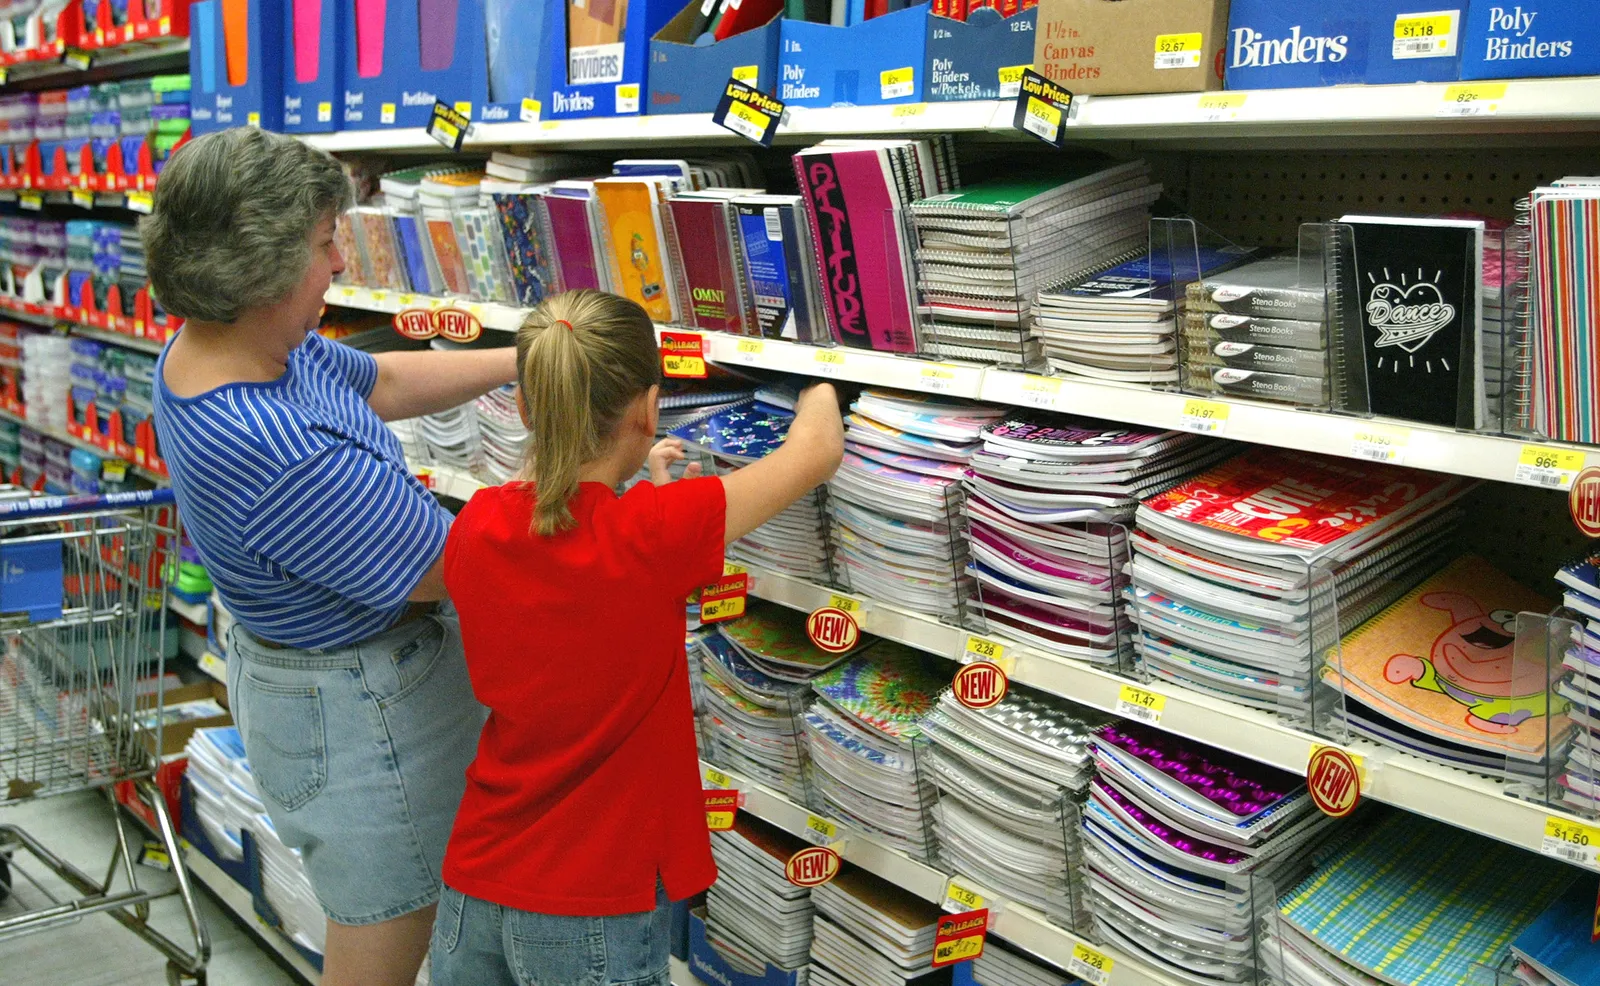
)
(562, 321)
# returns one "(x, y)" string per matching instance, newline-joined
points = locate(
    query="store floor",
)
(97, 951)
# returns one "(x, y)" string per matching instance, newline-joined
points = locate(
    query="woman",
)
(345, 668)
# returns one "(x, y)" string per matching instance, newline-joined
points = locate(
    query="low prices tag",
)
(448, 125)
(1427, 35)
(724, 599)
(446, 323)
(1380, 445)
(980, 685)
(1179, 50)
(683, 355)
(748, 112)
(721, 807)
(1203, 417)
(1333, 777)
(1137, 703)
(897, 83)
(1472, 99)
(959, 937)
(1572, 841)
(1552, 468)
(1090, 966)
(1042, 108)
(812, 866)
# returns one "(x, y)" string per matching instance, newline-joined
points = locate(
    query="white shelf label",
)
(1204, 417)
(1474, 99)
(1138, 703)
(1574, 842)
(1216, 107)
(1090, 965)
(937, 379)
(1552, 468)
(1381, 445)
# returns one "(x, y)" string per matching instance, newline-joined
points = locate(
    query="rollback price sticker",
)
(959, 937)
(724, 599)
(1042, 109)
(683, 355)
(448, 125)
(748, 112)
(1571, 840)
(722, 804)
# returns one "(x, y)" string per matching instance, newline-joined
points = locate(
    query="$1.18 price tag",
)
(1090, 966)
(1552, 468)
(1137, 703)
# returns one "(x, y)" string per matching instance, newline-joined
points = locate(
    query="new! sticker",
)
(812, 866)
(980, 685)
(1584, 501)
(832, 629)
(447, 323)
(1333, 778)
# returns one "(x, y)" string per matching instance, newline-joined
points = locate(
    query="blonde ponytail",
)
(582, 357)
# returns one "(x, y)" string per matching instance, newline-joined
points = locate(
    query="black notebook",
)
(1422, 331)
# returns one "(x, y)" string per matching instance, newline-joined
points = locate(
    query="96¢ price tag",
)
(1090, 966)
(1140, 704)
(1552, 468)
(1574, 842)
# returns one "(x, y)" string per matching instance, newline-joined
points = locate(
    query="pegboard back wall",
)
(1260, 198)
(1525, 532)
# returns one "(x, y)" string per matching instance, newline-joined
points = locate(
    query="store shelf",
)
(1545, 105)
(236, 898)
(1456, 797)
(62, 436)
(193, 612)
(1016, 923)
(135, 58)
(117, 339)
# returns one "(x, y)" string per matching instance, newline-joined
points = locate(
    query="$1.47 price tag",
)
(1090, 966)
(724, 599)
(1137, 703)
(1552, 468)
(1574, 842)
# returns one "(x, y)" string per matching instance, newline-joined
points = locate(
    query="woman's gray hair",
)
(233, 215)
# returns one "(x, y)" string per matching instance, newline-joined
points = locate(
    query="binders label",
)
(1551, 468)
(1571, 840)
(448, 125)
(1472, 99)
(897, 83)
(1138, 703)
(1386, 445)
(1011, 80)
(1042, 108)
(1216, 107)
(1429, 35)
(1204, 417)
(1090, 965)
(1179, 50)
(748, 112)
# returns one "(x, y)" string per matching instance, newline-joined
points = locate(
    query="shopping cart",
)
(83, 620)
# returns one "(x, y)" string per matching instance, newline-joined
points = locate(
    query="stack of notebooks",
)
(984, 252)
(1260, 331)
(1045, 497)
(1003, 965)
(1414, 902)
(1184, 844)
(1563, 264)
(754, 672)
(513, 187)
(732, 435)
(896, 499)
(1439, 674)
(502, 434)
(1011, 779)
(854, 193)
(860, 734)
(1119, 322)
(869, 932)
(1579, 689)
(1241, 572)
(754, 916)
(1559, 948)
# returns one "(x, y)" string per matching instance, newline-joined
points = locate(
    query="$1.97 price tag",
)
(1090, 966)
(1552, 468)
(1204, 417)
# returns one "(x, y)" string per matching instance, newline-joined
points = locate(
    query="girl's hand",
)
(663, 454)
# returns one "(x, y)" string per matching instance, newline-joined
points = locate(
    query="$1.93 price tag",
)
(1090, 966)
(1137, 703)
(1552, 468)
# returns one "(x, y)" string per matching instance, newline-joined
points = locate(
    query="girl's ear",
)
(652, 398)
(522, 408)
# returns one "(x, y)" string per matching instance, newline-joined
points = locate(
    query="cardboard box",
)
(883, 60)
(686, 78)
(236, 65)
(1534, 38)
(175, 735)
(966, 58)
(713, 970)
(407, 56)
(1110, 47)
(606, 79)
(314, 41)
(1274, 45)
(522, 62)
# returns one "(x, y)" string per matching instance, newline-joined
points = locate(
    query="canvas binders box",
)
(1112, 47)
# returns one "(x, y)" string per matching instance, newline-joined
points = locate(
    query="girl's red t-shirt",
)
(586, 785)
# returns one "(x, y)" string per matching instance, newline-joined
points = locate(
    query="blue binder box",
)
(883, 60)
(686, 78)
(1534, 38)
(1277, 45)
(967, 59)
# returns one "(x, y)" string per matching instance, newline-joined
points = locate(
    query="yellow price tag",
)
(214, 666)
(531, 110)
(984, 649)
(1205, 417)
(324, 112)
(1011, 79)
(898, 83)
(909, 109)
(727, 608)
(378, 296)
(849, 604)
(1553, 468)
(1090, 965)
(1570, 840)
(959, 898)
(716, 778)
(938, 379)
(1178, 50)
(1140, 704)
(729, 568)
(750, 75)
(1424, 26)
(683, 366)
(549, 124)
(31, 200)
(752, 346)
(958, 950)
(1215, 106)
(252, 119)
(1042, 119)
(464, 108)
(1381, 444)
(386, 113)
(749, 351)
(747, 121)
(82, 199)
(1472, 99)
(829, 362)
(1040, 391)
(1427, 35)
(820, 830)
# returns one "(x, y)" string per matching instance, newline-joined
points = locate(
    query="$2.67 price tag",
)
(1042, 109)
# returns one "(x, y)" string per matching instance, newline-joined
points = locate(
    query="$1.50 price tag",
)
(1574, 842)
(1204, 417)
(1552, 468)
(1137, 703)
(959, 898)
(1090, 966)
(715, 778)
(748, 112)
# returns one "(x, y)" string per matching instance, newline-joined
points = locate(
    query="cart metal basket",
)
(83, 596)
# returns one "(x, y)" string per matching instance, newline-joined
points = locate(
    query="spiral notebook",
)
(1564, 264)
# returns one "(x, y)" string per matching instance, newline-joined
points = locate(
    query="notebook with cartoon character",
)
(1443, 661)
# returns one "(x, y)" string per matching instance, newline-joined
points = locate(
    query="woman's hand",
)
(662, 455)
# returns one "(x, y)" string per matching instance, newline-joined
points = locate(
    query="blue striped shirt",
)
(300, 502)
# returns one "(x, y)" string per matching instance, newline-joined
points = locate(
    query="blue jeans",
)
(476, 943)
(360, 753)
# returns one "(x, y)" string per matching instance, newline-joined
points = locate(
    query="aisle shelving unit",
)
(1466, 800)
(1479, 456)
(236, 898)
(61, 436)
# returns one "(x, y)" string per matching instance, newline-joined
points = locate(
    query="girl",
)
(583, 814)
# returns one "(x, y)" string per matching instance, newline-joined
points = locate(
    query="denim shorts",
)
(360, 753)
(476, 943)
